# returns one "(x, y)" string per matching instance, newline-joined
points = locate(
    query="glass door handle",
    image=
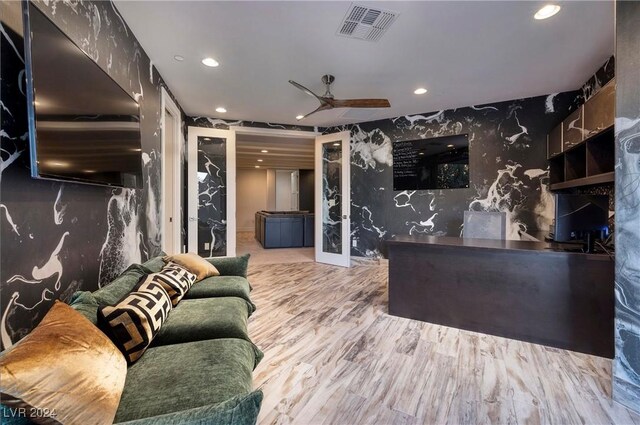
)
(192, 219)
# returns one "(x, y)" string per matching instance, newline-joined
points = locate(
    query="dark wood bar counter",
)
(530, 291)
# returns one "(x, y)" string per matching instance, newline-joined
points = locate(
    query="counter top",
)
(493, 244)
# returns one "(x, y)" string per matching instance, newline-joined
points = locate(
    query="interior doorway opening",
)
(275, 195)
(171, 194)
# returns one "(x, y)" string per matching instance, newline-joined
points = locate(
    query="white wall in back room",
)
(286, 190)
(251, 186)
(271, 190)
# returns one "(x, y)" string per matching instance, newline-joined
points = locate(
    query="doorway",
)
(211, 192)
(171, 195)
(233, 202)
(333, 199)
(275, 195)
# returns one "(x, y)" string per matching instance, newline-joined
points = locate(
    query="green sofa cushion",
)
(172, 378)
(86, 304)
(205, 318)
(154, 264)
(239, 410)
(231, 266)
(113, 292)
(221, 286)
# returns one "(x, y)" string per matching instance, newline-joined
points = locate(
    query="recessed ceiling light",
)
(259, 160)
(89, 171)
(421, 90)
(136, 150)
(420, 153)
(207, 139)
(210, 62)
(299, 117)
(179, 58)
(257, 166)
(60, 164)
(221, 110)
(450, 146)
(264, 151)
(547, 11)
(336, 144)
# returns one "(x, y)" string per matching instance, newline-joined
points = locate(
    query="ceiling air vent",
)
(366, 23)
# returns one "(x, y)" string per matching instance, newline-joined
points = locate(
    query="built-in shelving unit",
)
(581, 148)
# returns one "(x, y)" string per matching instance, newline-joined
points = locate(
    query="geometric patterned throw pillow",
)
(136, 319)
(175, 279)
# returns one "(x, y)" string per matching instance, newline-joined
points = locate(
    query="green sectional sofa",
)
(199, 367)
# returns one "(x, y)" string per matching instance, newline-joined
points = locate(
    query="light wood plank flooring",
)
(246, 243)
(334, 356)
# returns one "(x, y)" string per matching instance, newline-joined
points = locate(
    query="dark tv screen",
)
(436, 163)
(83, 126)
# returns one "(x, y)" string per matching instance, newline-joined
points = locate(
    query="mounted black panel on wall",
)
(435, 163)
(83, 126)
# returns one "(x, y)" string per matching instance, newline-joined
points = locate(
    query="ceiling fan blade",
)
(359, 103)
(318, 109)
(306, 90)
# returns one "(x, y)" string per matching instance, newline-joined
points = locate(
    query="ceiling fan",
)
(327, 100)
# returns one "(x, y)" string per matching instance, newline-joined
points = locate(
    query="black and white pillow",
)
(136, 319)
(175, 279)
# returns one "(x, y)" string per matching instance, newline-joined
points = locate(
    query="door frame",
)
(343, 259)
(192, 189)
(167, 104)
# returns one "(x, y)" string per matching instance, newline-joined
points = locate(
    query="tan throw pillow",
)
(136, 319)
(65, 371)
(195, 264)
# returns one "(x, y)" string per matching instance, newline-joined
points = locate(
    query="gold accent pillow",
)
(195, 264)
(65, 371)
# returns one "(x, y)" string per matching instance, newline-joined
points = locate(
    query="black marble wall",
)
(508, 168)
(508, 171)
(61, 237)
(626, 368)
(222, 124)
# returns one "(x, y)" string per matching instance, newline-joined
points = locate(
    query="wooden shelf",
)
(585, 181)
(577, 160)
(587, 139)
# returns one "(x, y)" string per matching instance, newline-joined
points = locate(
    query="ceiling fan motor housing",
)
(327, 80)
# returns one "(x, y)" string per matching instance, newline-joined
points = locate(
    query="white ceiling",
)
(464, 53)
(284, 152)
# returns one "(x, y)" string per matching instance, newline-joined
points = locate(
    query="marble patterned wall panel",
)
(508, 171)
(61, 237)
(212, 197)
(626, 368)
(331, 198)
(223, 124)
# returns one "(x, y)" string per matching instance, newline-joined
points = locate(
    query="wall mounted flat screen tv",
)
(436, 163)
(83, 126)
